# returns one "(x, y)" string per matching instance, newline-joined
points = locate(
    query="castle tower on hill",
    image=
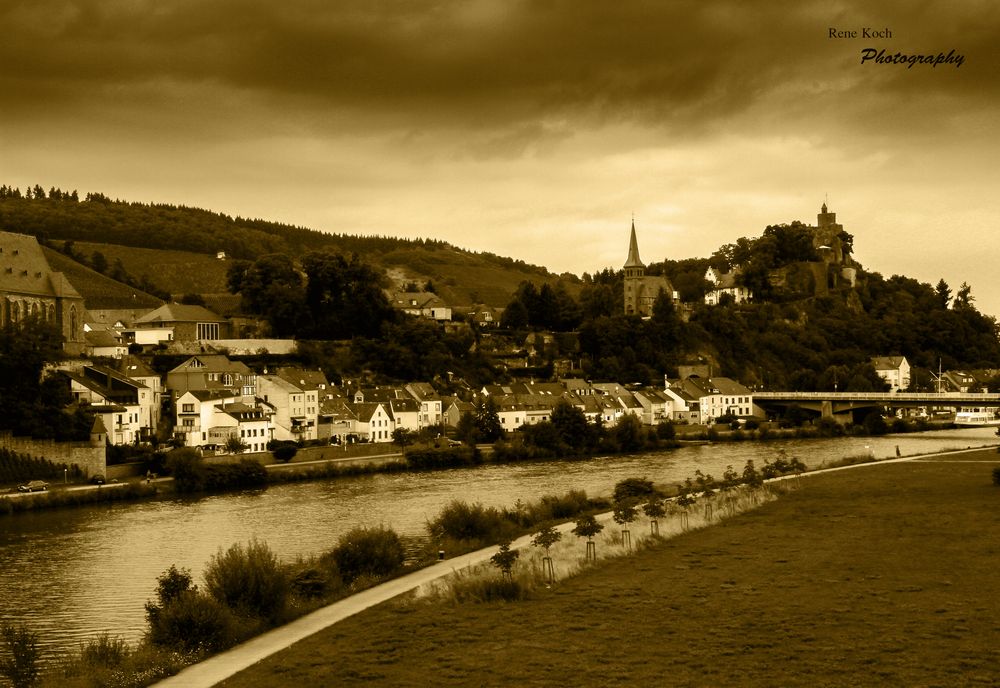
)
(641, 290)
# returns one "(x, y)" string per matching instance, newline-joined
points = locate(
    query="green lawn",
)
(880, 575)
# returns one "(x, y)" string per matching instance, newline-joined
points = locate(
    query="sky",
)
(531, 129)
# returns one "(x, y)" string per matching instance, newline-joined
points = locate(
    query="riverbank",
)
(899, 588)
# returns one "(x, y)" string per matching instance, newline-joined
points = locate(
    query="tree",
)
(587, 526)
(631, 490)
(193, 299)
(571, 425)
(19, 661)
(545, 538)
(234, 445)
(344, 297)
(466, 430)
(99, 262)
(488, 421)
(402, 437)
(624, 513)
(654, 509)
(505, 559)
(284, 451)
(943, 292)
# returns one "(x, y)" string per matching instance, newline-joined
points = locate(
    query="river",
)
(70, 574)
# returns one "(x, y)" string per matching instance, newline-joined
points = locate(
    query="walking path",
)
(221, 666)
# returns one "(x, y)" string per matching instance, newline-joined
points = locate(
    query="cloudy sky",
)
(534, 129)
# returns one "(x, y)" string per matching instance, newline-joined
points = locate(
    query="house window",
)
(208, 330)
(188, 423)
(187, 408)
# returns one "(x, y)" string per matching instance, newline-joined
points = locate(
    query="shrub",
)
(469, 522)
(229, 476)
(666, 431)
(633, 489)
(311, 581)
(19, 661)
(284, 451)
(373, 552)
(489, 590)
(188, 468)
(104, 651)
(193, 622)
(434, 459)
(248, 580)
(996, 476)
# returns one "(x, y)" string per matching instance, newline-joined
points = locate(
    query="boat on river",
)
(977, 418)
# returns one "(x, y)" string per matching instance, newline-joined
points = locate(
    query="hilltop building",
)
(30, 288)
(641, 290)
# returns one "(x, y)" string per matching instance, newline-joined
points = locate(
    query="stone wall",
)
(90, 459)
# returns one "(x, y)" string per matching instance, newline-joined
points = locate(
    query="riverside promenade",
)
(226, 664)
(223, 665)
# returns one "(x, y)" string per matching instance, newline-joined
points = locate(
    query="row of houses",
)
(208, 400)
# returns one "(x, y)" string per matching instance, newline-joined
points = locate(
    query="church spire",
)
(633, 251)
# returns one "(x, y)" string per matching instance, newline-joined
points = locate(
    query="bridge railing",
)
(929, 397)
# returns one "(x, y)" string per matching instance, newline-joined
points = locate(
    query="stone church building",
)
(30, 289)
(641, 290)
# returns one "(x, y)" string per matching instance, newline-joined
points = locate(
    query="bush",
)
(633, 489)
(488, 590)
(234, 476)
(188, 469)
(310, 581)
(372, 552)
(284, 451)
(434, 459)
(19, 660)
(996, 476)
(249, 580)
(104, 651)
(473, 523)
(193, 622)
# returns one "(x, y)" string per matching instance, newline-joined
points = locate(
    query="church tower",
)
(634, 273)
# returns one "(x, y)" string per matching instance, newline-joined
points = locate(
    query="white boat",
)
(976, 418)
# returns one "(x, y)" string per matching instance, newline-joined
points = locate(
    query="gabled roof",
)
(417, 299)
(888, 362)
(698, 387)
(302, 378)
(365, 410)
(204, 395)
(180, 312)
(212, 363)
(133, 367)
(244, 412)
(24, 269)
(423, 391)
(102, 338)
(281, 383)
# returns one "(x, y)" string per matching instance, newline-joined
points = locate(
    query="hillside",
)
(98, 291)
(175, 246)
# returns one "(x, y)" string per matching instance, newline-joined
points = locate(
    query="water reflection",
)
(71, 574)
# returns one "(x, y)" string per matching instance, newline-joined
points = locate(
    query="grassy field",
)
(97, 290)
(178, 272)
(878, 575)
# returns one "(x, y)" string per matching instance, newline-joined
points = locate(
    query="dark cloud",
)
(484, 64)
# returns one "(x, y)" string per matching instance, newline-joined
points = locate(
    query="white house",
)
(374, 422)
(895, 370)
(194, 415)
(718, 396)
(724, 283)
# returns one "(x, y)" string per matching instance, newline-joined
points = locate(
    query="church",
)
(641, 290)
(30, 289)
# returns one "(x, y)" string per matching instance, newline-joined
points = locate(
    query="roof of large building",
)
(302, 378)
(24, 269)
(180, 312)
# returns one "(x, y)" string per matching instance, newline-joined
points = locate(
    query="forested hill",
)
(56, 215)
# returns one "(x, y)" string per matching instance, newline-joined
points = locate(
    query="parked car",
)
(39, 485)
(97, 479)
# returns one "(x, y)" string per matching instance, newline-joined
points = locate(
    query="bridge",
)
(834, 404)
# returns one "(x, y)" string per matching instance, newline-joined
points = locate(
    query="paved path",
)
(221, 666)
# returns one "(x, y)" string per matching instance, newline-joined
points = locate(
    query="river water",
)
(70, 574)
